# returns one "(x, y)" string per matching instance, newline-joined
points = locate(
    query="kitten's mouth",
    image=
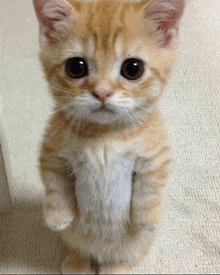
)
(103, 109)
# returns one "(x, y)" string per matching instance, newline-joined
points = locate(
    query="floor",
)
(188, 240)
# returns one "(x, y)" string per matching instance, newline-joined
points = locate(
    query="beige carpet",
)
(189, 235)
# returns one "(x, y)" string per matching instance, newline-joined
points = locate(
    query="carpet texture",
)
(188, 238)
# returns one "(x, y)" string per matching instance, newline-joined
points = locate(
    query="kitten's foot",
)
(76, 264)
(113, 270)
(58, 218)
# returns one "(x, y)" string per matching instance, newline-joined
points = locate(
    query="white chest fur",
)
(103, 182)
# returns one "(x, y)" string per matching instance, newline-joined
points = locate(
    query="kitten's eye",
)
(132, 69)
(76, 67)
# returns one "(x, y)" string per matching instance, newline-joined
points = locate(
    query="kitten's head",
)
(107, 61)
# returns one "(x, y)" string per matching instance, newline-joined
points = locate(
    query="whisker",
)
(63, 107)
(71, 123)
(62, 96)
(66, 91)
(59, 128)
(61, 90)
(76, 122)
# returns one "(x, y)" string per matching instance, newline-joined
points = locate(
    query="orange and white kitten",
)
(104, 158)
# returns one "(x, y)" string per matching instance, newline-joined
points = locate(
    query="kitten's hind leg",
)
(77, 264)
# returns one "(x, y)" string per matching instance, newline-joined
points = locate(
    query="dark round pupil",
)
(132, 69)
(76, 67)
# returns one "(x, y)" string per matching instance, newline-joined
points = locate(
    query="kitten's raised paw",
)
(58, 219)
(76, 264)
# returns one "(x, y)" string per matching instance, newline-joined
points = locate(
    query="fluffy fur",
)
(104, 170)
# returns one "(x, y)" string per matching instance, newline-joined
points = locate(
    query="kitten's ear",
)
(164, 17)
(52, 16)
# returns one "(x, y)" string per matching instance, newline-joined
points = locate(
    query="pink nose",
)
(102, 94)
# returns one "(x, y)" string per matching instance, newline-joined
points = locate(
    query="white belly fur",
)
(107, 192)
(103, 183)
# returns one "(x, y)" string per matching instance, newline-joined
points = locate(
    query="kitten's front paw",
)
(58, 219)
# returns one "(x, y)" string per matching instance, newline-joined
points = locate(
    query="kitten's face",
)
(103, 65)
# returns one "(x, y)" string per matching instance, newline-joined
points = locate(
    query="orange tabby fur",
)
(105, 32)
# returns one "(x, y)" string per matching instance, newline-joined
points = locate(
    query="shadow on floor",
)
(26, 244)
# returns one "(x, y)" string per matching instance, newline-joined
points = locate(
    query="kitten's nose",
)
(102, 92)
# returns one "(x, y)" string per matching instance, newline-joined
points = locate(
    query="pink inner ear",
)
(51, 15)
(164, 16)
(166, 25)
(38, 6)
(44, 23)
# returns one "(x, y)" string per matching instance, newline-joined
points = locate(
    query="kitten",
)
(104, 158)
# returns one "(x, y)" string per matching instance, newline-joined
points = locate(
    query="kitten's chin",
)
(103, 109)
(103, 116)
(106, 115)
